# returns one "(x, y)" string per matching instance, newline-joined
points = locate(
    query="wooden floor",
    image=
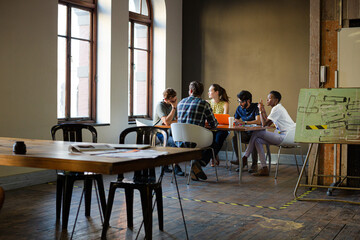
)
(259, 208)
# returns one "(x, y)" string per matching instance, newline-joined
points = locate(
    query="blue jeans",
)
(218, 140)
(170, 141)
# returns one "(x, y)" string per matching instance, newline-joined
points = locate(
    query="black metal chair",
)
(145, 181)
(65, 180)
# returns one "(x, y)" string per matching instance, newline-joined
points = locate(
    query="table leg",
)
(181, 208)
(238, 134)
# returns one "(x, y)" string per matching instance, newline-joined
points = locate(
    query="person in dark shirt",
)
(195, 110)
(246, 113)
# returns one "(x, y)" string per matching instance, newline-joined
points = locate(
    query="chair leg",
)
(160, 209)
(108, 209)
(146, 203)
(101, 190)
(277, 164)
(129, 198)
(213, 153)
(268, 156)
(189, 176)
(59, 193)
(226, 156)
(88, 190)
(173, 172)
(69, 184)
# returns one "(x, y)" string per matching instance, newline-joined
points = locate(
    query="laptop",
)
(222, 118)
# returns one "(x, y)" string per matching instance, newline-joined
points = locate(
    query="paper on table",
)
(94, 147)
(79, 148)
(133, 154)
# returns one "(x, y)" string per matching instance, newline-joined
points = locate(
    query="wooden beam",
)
(314, 44)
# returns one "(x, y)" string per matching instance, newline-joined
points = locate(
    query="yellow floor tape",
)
(286, 205)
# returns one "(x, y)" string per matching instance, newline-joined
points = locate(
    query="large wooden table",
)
(55, 155)
(237, 131)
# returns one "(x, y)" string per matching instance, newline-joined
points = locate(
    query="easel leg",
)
(302, 171)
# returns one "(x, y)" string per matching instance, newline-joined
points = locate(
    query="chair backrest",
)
(186, 132)
(143, 122)
(72, 132)
(144, 135)
(288, 141)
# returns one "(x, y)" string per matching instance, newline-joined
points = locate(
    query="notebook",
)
(222, 118)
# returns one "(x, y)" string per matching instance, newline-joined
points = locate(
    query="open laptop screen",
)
(222, 118)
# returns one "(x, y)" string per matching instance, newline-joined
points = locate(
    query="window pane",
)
(129, 92)
(140, 82)
(80, 79)
(62, 9)
(140, 36)
(61, 77)
(144, 8)
(134, 6)
(80, 23)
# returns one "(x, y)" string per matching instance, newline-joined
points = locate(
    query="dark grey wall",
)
(258, 45)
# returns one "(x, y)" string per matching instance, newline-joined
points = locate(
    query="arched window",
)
(140, 59)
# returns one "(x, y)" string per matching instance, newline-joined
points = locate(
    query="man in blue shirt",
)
(246, 113)
(195, 110)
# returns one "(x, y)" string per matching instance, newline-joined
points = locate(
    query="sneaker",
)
(199, 173)
(262, 172)
(253, 169)
(236, 162)
(178, 171)
(167, 169)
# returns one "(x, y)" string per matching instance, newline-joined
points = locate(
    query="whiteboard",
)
(328, 115)
(349, 57)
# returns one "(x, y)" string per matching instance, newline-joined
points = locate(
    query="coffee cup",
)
(19, 147)
(231, 121)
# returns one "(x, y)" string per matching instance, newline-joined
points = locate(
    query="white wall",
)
(28, 58)
(28, 67)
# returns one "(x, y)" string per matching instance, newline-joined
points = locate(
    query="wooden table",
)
(237, 131)
(55, 155)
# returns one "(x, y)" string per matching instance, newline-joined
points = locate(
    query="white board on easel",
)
(349, 57)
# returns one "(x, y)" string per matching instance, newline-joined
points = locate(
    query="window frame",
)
(91, 6)
(148, 21)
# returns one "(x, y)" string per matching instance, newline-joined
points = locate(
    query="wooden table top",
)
(55, 155)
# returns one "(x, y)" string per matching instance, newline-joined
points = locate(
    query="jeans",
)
(219, 138)
(206, 154)
(245, 138)
(170, 141)
(258, 138)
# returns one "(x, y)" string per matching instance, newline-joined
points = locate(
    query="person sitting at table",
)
(195, 110)
(246, 113)
(165, 113)
(283, 123)
(219, 102)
